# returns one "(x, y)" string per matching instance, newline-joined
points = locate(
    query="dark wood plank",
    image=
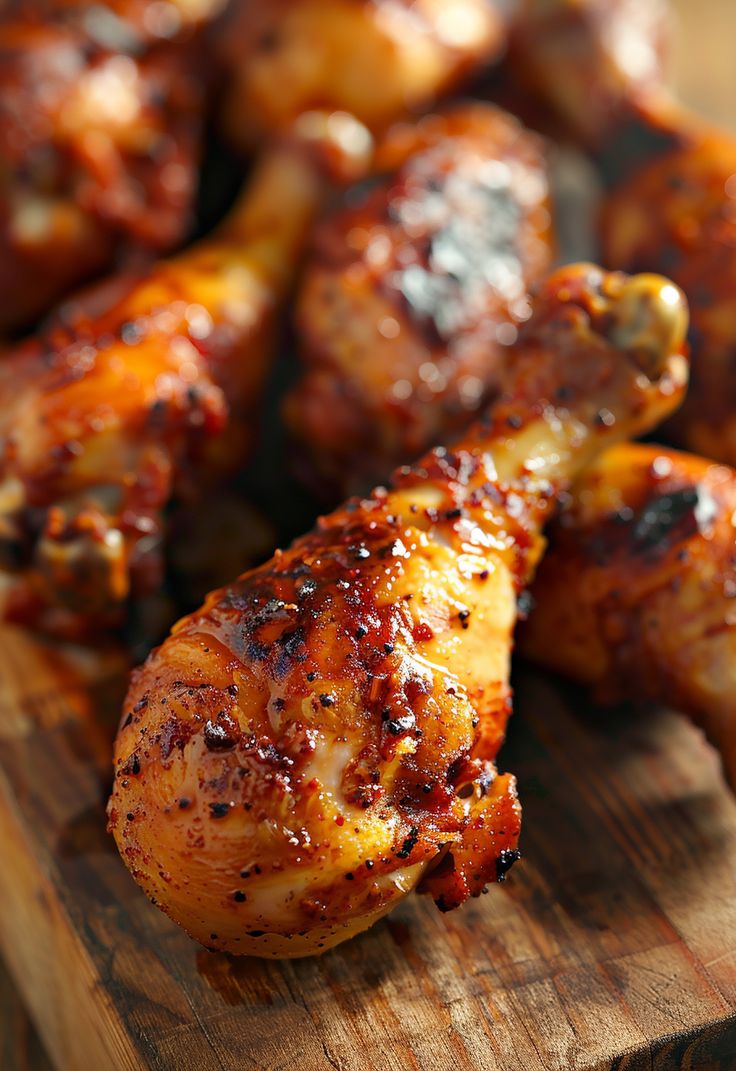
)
(20, 1048)
(613, 945)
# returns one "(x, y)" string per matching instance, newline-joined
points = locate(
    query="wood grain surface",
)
(613, 944)
(20, 1047)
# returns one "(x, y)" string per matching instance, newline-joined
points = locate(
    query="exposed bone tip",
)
(649, 317)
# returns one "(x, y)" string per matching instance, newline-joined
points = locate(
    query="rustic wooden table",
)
(709, 86)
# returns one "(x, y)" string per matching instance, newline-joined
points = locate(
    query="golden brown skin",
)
(320, 737)
(146, 390)
(677, 214)
(636, 595)
(415, 290)
(582, 65)
(375, 59)
(100, 125)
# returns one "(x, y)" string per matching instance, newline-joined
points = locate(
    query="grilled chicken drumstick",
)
(100, 123)
(636, 595)
(377, 60)
(415, 291)
(319, 739)
(110, 412)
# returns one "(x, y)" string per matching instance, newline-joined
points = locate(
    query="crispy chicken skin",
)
(375, 59)
(678, 214)
(320, 738)
(583, 64)
(414, 291)
(146, 390)
(635, 595)
(100, 123)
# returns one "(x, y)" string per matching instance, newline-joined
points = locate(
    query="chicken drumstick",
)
(637, 594)
(139, 396)
(415, 289)
(319, 739)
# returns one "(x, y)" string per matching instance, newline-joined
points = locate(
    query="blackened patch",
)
(292, 643)
(409, 844)
(220, 734)
(399, 726)
(469, 245)
(133, 765)
(524, 605)
(505, 861)
(256, 651)
(671, 518)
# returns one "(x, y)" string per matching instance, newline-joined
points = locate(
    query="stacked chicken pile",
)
(320, 737)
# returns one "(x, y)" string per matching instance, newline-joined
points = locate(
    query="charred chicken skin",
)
(100, 123)
(320, 738)
(415, 291)
(635, 595)
(146, 390)
(377, 60)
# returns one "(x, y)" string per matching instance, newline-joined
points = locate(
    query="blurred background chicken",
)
(93, 453)
(144, 391)
(594, 72)
(101, 122)
(377, 60)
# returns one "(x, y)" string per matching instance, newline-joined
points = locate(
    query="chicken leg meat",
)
(320, 738)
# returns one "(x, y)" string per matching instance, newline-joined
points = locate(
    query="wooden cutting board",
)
(612, 945)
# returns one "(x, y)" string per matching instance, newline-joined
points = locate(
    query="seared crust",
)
(415, 291)
(307, 718)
